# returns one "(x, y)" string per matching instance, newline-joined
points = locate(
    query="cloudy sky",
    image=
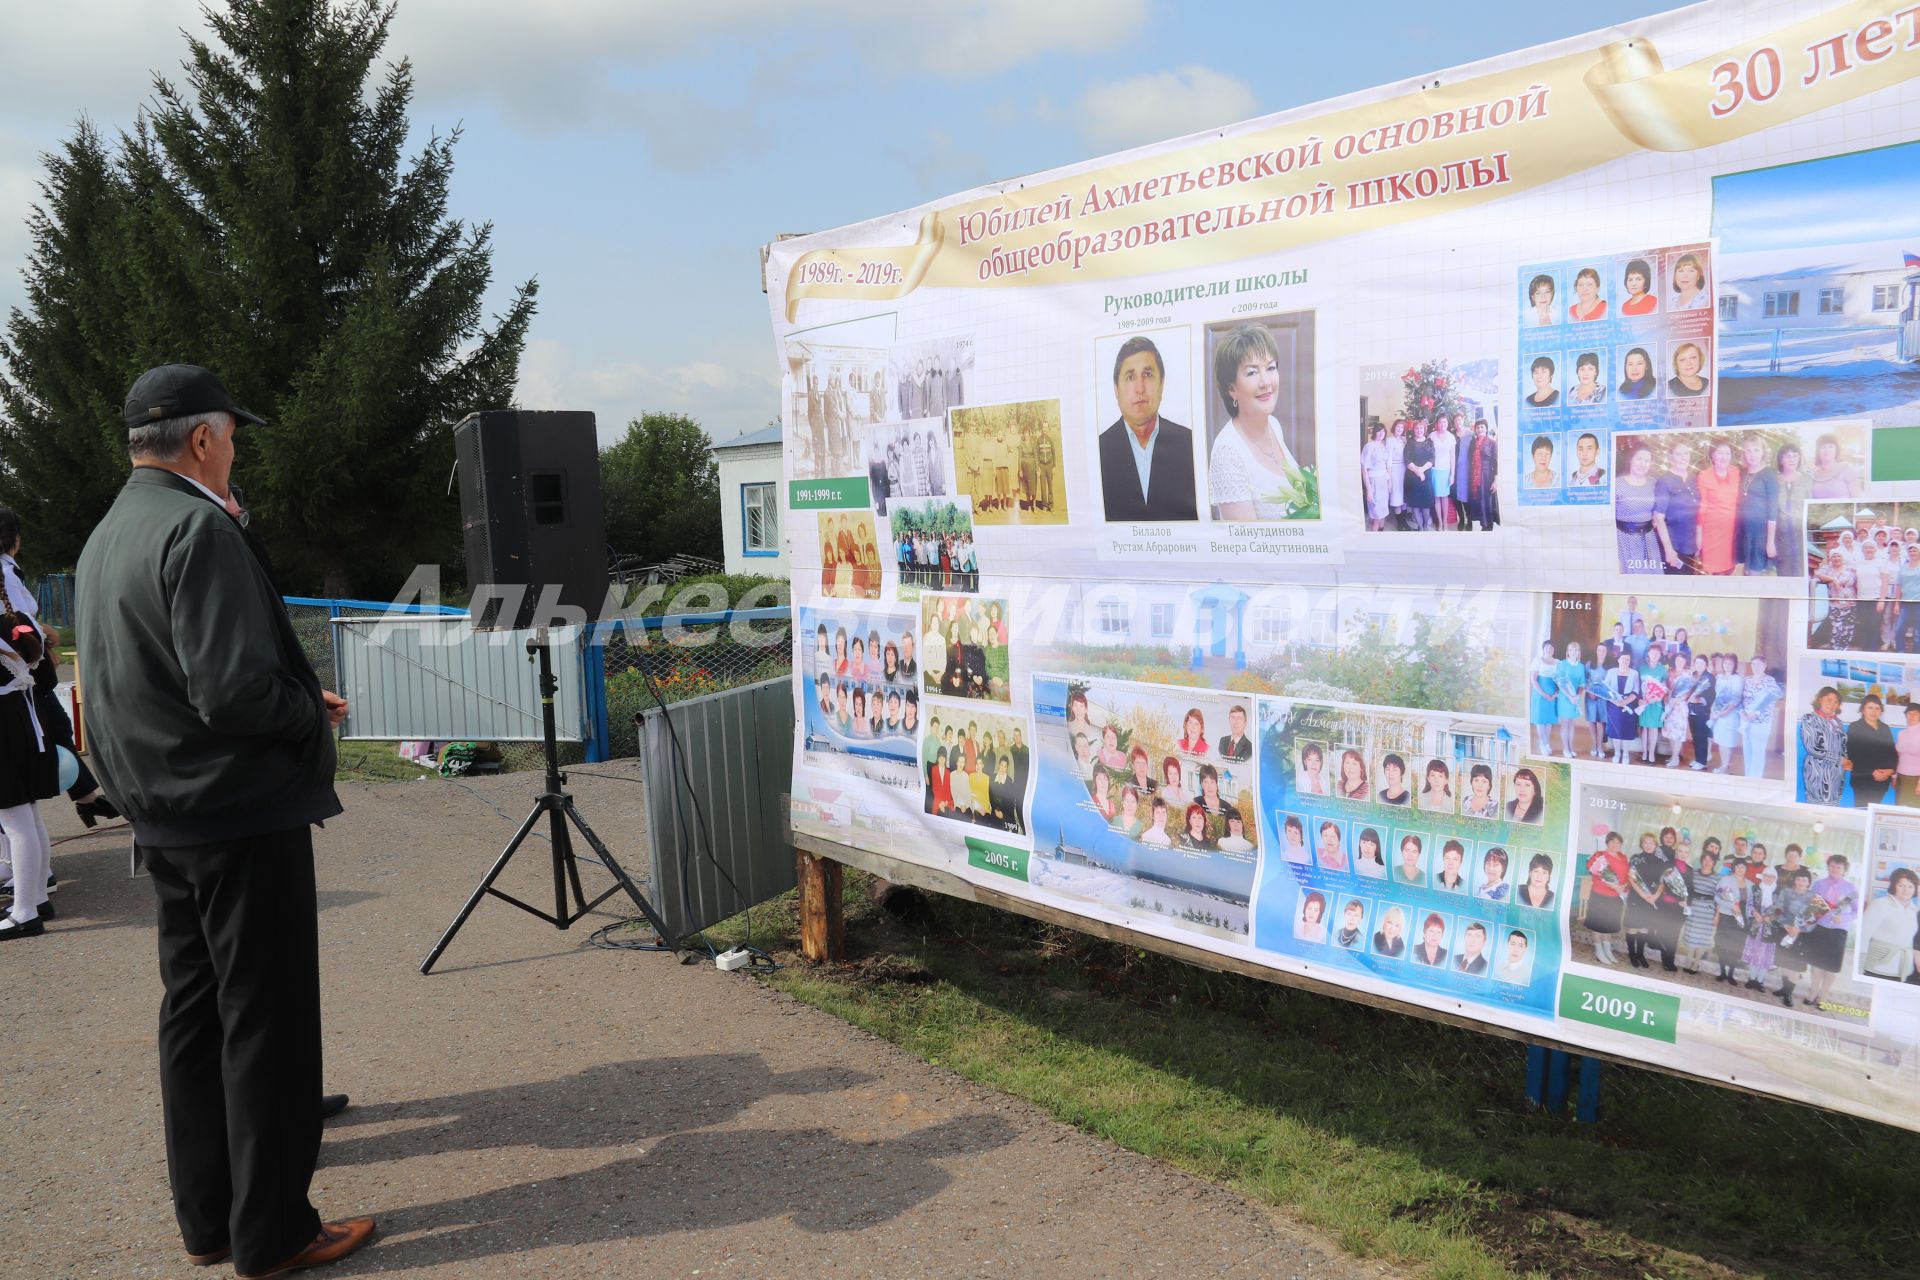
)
(634, 154)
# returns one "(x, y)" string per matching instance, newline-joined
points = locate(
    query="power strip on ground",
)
(738, 958)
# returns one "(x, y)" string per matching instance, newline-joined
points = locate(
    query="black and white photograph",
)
(929, 376)
(907, 460)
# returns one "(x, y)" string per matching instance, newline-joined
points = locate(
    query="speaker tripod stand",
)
(558, 808)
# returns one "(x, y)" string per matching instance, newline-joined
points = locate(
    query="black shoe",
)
(46, 908)
(332, 1104)
(11, 928)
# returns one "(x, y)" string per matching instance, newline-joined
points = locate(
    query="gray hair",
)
(166, 440)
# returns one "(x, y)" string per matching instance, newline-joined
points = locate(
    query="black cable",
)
(600, 938)
(760, 959)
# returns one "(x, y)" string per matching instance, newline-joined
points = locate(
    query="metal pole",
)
(1587, 1107)
(1537, 1074)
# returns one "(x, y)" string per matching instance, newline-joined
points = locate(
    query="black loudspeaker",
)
(532, 518)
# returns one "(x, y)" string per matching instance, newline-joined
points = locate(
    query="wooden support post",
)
(823, 931)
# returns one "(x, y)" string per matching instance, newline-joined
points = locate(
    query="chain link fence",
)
(313, 625)
(647, 666)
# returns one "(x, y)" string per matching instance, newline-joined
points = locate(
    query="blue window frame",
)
(759, 520)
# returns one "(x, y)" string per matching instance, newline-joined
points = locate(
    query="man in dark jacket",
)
(1146, 461)
(212, 733)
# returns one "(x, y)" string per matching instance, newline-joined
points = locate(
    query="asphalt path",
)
(538, 1107)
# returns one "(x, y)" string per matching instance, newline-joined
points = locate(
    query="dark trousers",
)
(240, 1042)
(1866, 625)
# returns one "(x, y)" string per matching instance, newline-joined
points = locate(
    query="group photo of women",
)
(1726, 504)
(1431, 473)
(933, 547)
(862, 676)
(862, 699)
(963, 647)
(1864, 563)
(907, 460)
(1760, 906)
(930, 376)
(849, 558)
(1857, 741)
(1159, 772)
(1661, 682)
(975, 767)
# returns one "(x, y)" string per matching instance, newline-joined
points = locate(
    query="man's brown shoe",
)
(209, 1259)
(335, 1241)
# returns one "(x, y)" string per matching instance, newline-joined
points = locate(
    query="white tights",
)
(27, 842)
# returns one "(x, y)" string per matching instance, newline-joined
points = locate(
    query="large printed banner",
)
(1459, 542)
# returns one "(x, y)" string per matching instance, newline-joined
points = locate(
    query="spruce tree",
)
(62, 453)
(263, 220)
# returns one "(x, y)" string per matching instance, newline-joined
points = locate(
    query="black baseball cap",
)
(175, 391)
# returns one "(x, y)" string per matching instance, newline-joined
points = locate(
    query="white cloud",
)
(1115, 114)
(726, 398)
(558, 60)
(561, 61)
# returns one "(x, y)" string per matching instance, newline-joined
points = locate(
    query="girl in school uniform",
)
(29, 772)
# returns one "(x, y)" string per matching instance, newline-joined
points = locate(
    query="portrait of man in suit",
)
(1234, 744)
(1146, 462)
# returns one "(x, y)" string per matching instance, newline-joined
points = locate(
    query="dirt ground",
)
(541, 1107)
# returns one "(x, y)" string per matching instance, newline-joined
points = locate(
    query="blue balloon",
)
(69, 767)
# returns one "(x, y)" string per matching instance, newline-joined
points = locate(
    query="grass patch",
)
(1399, 1138)
(360, 761)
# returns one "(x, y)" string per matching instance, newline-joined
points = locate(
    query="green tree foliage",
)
(262, 220)
(662, 489)
(1449, 666)
(940, 520)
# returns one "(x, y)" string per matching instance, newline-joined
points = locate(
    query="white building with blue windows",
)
(1841, 310)
(753, 503)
